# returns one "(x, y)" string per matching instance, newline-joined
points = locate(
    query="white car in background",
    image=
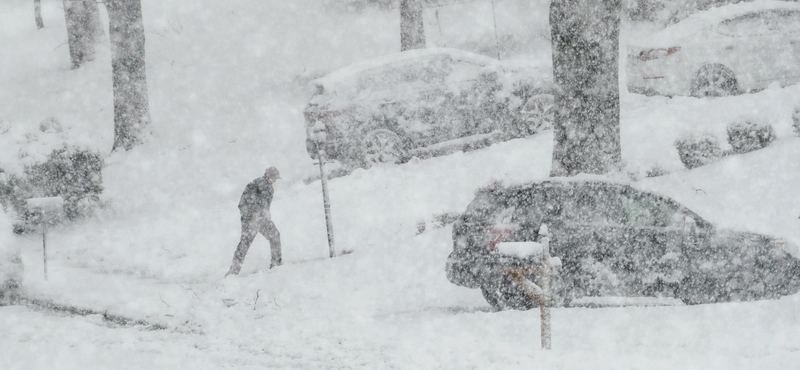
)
(722, 51)
(426, 102)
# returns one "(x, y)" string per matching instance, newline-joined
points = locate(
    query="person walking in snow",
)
(254, 208)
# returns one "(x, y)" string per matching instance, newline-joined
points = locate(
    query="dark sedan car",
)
(424, 103)
(615, 241)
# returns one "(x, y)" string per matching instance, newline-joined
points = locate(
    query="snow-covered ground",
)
(227, 83)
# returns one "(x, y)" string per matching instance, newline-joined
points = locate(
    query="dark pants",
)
(252, 225)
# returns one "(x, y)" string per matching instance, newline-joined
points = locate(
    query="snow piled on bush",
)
(9, 253)
(26, 145)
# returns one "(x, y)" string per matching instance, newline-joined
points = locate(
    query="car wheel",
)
(714, 80)
(537, 114)
(492, 298)
(382, 146)
(506, 295)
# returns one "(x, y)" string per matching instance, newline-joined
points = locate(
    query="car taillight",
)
(658, 53)
(782, 244)
(496, 234)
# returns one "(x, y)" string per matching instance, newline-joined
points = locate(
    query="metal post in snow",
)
(44, 248)
(319, 139)
(540, 294)
(544, 239)
(496, 42)
(328, 222)
(44, 212)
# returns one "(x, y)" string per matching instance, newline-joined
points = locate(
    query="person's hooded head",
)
(272, 174)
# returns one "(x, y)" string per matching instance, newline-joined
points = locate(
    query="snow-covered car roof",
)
(347, 73)
(701, 20)
(581, 178)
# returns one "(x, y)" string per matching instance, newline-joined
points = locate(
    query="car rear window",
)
(487, 207)
(409, 73)
(537, 205)
(589, 205)
(516, 206)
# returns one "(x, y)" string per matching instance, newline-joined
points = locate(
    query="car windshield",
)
(407, 74)
(648, 211)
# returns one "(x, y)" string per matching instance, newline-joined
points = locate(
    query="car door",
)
(754, 48)
(590, 241)
(705, 261)
(787, 23)
(424, 98)
(653, 244)
(404, 96)
(468, 86)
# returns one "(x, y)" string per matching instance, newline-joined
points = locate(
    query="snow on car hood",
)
(695, 23)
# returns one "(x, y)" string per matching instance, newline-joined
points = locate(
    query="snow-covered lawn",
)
(226, 81)
(320, 330)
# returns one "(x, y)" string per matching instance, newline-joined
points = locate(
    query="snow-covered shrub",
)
(698, 149)
(795, 121)
(656, 171)
(73, 174)
(10, 263)
(50, 125)
(748, 135)
(45, 163)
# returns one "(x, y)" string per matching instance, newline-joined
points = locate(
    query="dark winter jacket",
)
(257, 197)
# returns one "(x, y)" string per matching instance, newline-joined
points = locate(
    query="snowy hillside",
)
(228, 82)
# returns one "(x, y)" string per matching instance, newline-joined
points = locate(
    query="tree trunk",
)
(83, 27)
(131, 107)
(585, 36)
(412, 27)
(37, 13)
(97, 27)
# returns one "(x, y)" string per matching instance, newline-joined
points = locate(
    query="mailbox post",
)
(319, 136)
(543, 270)
(45, 212)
